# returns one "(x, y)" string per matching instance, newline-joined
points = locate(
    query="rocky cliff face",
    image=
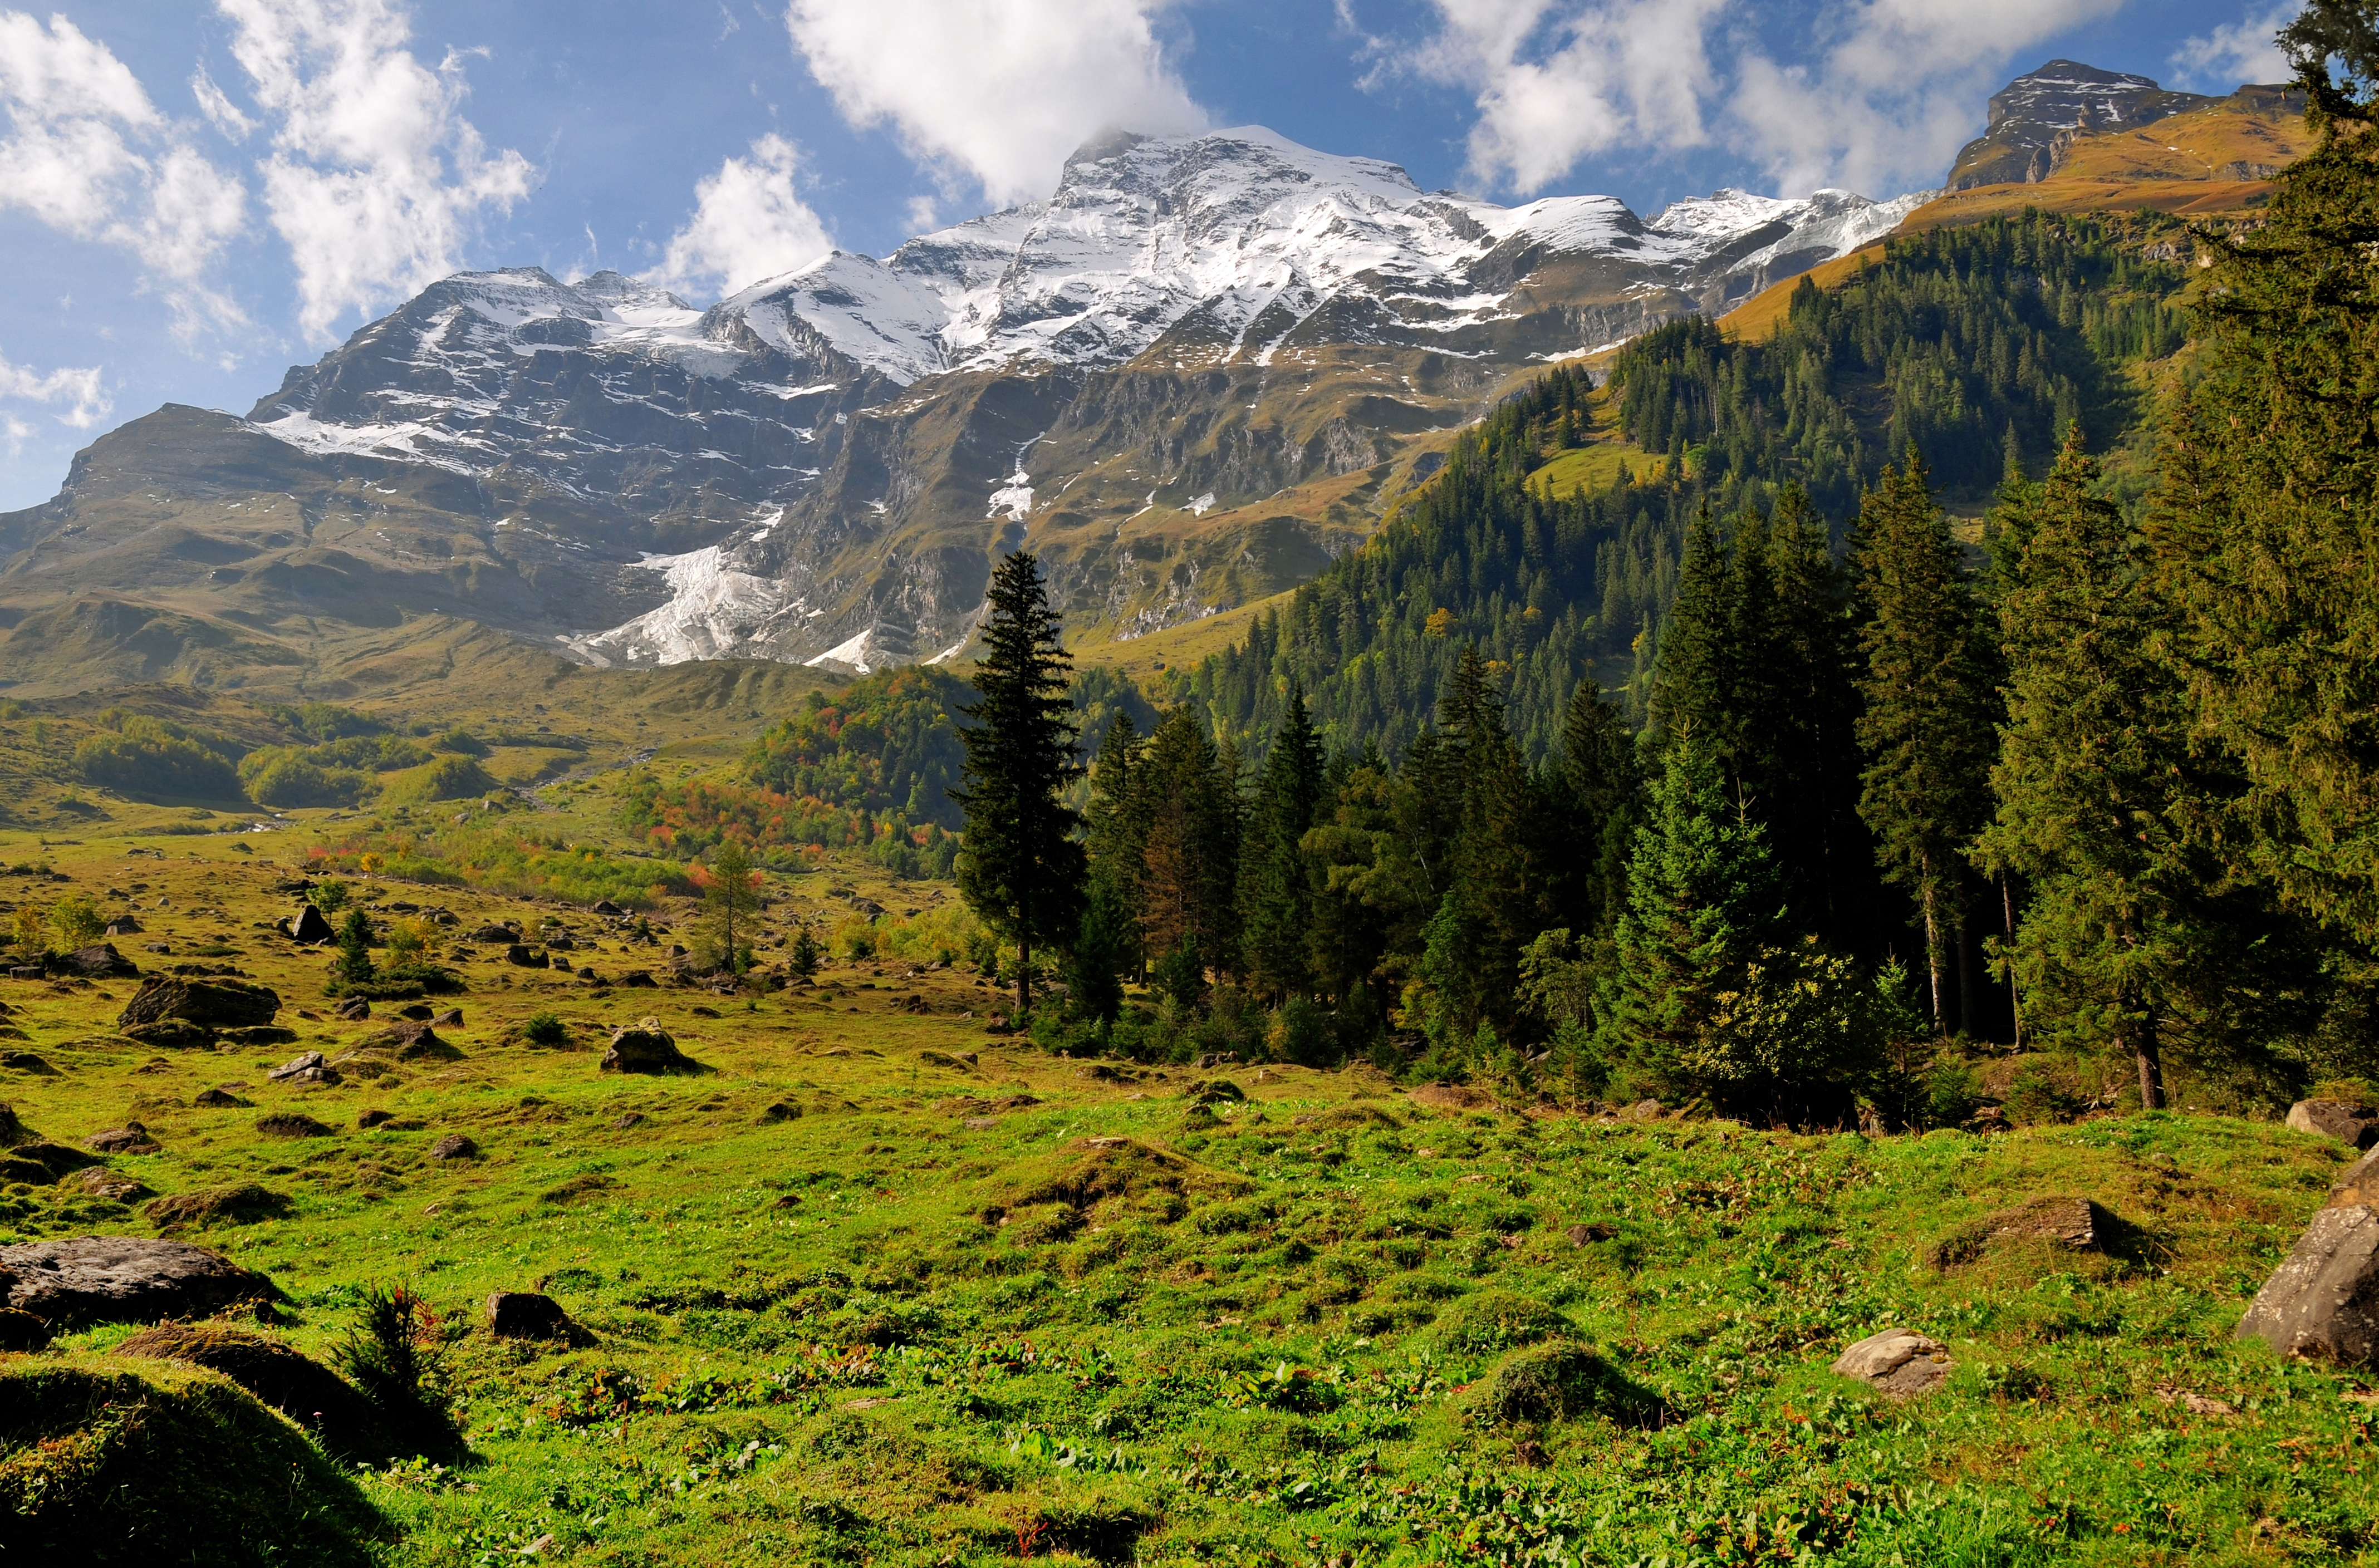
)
(2035, 116)
(1187, 378)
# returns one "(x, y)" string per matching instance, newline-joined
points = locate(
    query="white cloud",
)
(217, 106)
(995, 92)
(375, 178)
(1895, 89)
(2237, 51)
(87, 400)
(89, 153)
(1889, 89)
(749, 222)
(1554, 83)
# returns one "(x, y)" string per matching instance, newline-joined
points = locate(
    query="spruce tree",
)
(1188, 870)
(2095, 744)
(1021, 870)
(1701, 907)
(1926, 731)
(1116, 837)
(1598, 764)
(1275, 893)
(2271, 498)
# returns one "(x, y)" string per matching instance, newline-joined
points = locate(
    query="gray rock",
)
(130, 1138)
(2322, 1301)
(172, 1034)
(98, 961)
(455, 1146)
(2354, 1125)
(522, 1314)
(1901, 1363)
(644, 1048)
(209, 1004)
(310, 926)
(83, 1280)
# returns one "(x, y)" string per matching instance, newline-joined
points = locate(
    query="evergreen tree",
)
(1701, 906)
(1598, 764)
(1275, 892)
(2271, 498)
(354, 964)
(1926, 729)
(1117, 840)
(1694, 684)
(1372, 894)
(1021, 870)
(731, 901)
(1187, 791)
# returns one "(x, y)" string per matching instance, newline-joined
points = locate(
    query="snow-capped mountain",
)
(1189, 377)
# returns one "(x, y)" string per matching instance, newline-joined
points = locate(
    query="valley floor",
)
(878, 1287)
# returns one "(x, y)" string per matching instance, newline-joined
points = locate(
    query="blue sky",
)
(195, 196)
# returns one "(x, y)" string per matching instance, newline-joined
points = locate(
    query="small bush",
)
(395, 1354)
(547, 1030)
(1558, 1382)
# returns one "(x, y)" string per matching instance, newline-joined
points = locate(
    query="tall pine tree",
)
(1276, 891)
(1021, 870)
(1926, 730)
(2270, 524)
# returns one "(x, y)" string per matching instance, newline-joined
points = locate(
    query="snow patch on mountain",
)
(714, 610)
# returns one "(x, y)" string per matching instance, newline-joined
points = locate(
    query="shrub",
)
(394, 1353)
(546, 1030)
(804, 958)
(1300, 1032)
(1556, 1382)
(279, 777)
(149, 757)
(77, 921)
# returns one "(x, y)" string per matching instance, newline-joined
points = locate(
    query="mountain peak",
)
(2032, 117)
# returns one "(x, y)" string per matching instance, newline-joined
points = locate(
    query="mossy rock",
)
(1089, 1170)
(307, 1392)
(1494, 1319)
(1558, 1380)
(155, 1461)
(244, 1203)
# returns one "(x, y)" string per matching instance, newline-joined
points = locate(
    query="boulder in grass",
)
(130, 1138)
(172, 1034)
(217, 1099)
(310, 926)
(522, 1314)
(15, 1169)
(2351, 1122)
(1900, 1363)
(21, 1332)
(98, 961)
(244, 1203)
(113, 1186)
(2322, 1301)
(56, 1157)
(412, 1039)
(455, 1146)
(307, 1067)
(290, 1124)
(644, 1048)
(75, 1282)
(211, 1003)
(352, 1010)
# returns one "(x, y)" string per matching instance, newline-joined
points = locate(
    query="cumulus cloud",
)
(89, 153)
(86, 399)
(1556, 83)
(375, 178)
(749, 222)
(995, 92)
(2237, 51)
(1893, 91)
(1887, 90)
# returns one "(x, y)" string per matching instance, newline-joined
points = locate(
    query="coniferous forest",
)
(1982, 657)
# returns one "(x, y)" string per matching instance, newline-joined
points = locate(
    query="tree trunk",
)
(1933, 959)
(2148, 1049)
(2007, 916)
(1966, 987)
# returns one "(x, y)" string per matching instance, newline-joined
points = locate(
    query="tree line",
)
(2125, 759)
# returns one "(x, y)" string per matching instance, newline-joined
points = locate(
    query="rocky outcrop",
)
(209, 1004)
(644, 1048)
(79, 1281)
(2322, 1301)
(2349, 1121)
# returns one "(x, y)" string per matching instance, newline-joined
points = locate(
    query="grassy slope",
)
(1103, 1364)
(2172, 166)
